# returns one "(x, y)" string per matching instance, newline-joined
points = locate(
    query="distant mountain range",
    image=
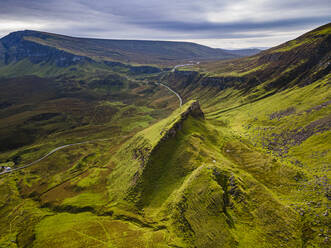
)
(64, 50)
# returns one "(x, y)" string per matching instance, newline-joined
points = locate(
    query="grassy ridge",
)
(275, 124)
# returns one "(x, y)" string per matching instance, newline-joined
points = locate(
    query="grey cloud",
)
(172, 19)
(233, 27)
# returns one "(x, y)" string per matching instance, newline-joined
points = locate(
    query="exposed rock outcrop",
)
(193, 110)
(143, 152)
(134, 70)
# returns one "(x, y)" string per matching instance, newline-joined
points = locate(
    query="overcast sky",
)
(216, 23)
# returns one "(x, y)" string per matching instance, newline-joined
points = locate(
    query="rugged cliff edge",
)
(135, 156)
(193, 110)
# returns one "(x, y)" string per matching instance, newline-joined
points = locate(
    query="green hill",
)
(245, 162)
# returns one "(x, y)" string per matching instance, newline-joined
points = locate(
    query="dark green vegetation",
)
(246, 166)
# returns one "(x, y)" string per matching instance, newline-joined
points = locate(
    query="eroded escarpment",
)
(193, 110)
(18, 46)
(144, 148)
(155, 159)
(133, 160)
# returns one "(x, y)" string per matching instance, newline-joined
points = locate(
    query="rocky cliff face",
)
(192, 80)
(194, 110)
(144, 153)
(15, 47)
(134, 70)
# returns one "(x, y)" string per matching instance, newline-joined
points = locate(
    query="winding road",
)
(47, 155)
(171, 90)
(173, 70)
(89, 141)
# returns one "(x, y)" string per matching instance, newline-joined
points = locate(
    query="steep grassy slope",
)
(277, 103)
